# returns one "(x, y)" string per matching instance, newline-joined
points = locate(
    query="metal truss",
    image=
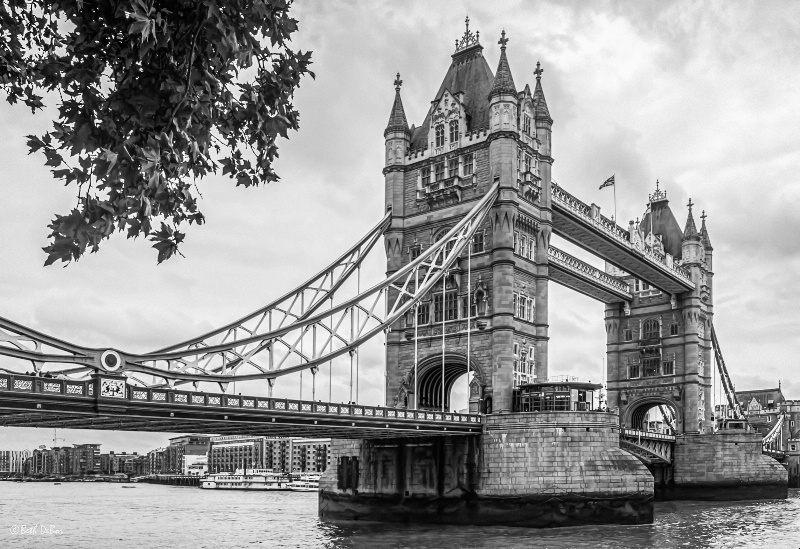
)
(292, 334)
(773, 441)
(20, 342)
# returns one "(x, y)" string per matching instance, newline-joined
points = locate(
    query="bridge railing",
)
(576, 265)
(611, 229)
(117, 389)
(637, 433)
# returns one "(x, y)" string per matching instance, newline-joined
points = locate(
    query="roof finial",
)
(703, 216)
(398, 74)
(469, 39)
(539, 70)
(503, 40)
(397, 82)
(690, 205)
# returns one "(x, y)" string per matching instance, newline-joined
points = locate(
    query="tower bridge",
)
(470, 209)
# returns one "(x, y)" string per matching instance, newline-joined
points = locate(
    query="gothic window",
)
(673, 328)
(522, 305)
(516, 242)
(440, 135)
(627, 333)
(453, 131)
(451, 306)
(529, 309)
(523, 244)
(449, 246)
(526, 124)
(478, 242)
(526, 165)
(650, 329)
(531, 360)
(668, 366)
(633, 371)
(650, 366)
(414, 251)
(439, 171)
(450, 309)
(468, 164)
(452, 167)
(423, 314)
(426, 176)
(531, 247)
(701, 328)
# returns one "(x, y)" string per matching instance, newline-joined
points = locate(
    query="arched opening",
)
(460, 391)
(656, 416)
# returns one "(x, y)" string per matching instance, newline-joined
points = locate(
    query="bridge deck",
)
(575, 221)
(578, 275)
(109, 403)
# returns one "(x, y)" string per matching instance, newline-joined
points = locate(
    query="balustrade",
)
(576, 265)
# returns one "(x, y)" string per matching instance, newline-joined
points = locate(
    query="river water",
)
(88, 515)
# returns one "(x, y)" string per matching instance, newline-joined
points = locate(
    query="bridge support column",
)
(725, 466)
(532, 470)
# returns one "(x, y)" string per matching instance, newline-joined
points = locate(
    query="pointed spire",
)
(690, 232)
(503, 81)
(397, 118)
(704, 233)
(541, 112)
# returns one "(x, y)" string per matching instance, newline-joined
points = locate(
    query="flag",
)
(608, 182)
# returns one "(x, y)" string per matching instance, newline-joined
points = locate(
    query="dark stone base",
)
(721, 492)
(524, 511)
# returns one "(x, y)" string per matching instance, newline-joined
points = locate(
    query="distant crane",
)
(56, 437)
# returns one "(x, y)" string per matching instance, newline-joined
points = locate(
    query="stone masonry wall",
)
(574, 453)
(725, 459)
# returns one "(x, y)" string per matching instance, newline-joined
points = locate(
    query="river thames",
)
(87, 515)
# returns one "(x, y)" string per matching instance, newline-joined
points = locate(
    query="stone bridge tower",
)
(659, 347)
(479, 129)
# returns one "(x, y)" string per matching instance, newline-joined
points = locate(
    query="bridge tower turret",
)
(479, 130)
(659, 346)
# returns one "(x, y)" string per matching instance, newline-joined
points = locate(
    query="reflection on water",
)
(84, 515)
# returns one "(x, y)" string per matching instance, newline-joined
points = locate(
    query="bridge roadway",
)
(584, 226)
(108, 402)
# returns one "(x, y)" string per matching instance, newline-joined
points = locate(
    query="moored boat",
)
(250, 479)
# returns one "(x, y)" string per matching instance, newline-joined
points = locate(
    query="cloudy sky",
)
(703, 96)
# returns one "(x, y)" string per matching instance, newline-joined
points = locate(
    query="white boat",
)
(306, 483)
(249, 479)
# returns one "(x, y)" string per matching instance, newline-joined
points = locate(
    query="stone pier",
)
(724, 466)
(527, 469)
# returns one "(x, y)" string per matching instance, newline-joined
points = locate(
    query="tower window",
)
(531, 248)
(650, 329)
(439, 171)
(673, 329)
(453, 131)
(627, 334)
(468, 164)
(633, 371)
(440, 135)
(452, 167)
(668, 367)
(426, 176)
(450, 306)
(423, 314)
(526, 124)
(516, 242)
(651, 366)
(478, 240)
(523, 244)
(414, 251)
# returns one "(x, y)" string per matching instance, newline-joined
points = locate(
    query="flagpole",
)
(615, 200)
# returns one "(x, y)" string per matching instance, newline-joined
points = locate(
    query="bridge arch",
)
(636, 413)
(430, 381)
